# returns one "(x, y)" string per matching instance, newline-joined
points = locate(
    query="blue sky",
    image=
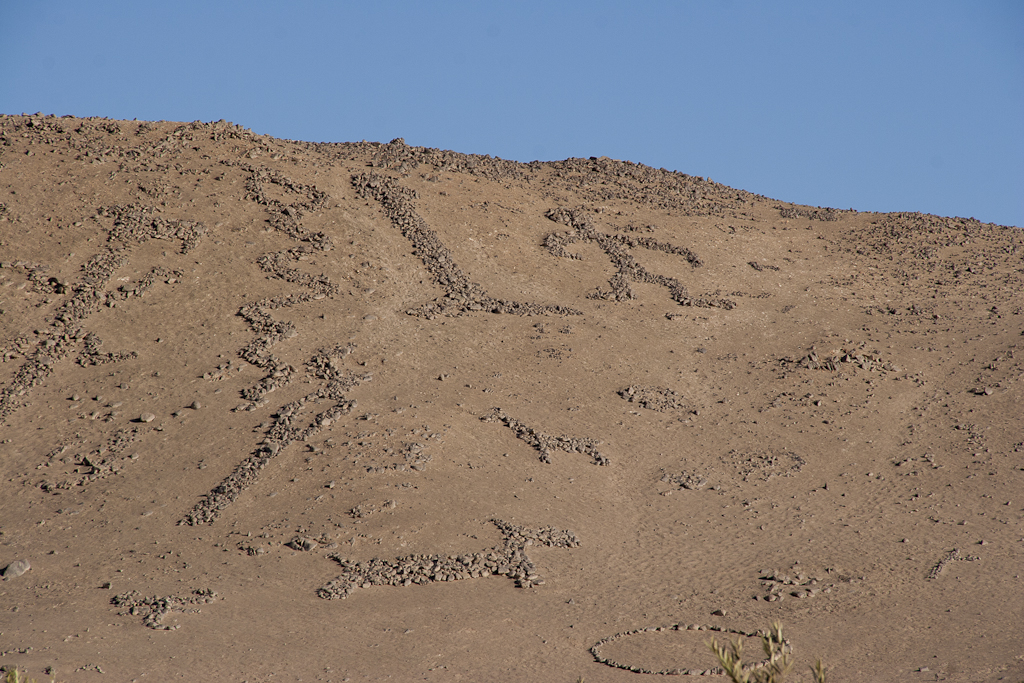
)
(885, 106)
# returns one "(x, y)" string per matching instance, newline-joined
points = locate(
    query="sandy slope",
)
(555, 401)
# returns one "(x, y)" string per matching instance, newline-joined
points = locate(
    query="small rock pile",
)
(691, 481)
(795, 583)
(836, 359)
(154, 609)
(222, 371)
(143, 285)
(506, 559)
(103, 461)
(364, 510)
(413, 457)
(660, 399)
(135, 224)
(764, 464)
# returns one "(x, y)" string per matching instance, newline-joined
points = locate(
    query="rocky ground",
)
(274, 410)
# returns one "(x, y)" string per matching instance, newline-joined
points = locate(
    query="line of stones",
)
(948, 557)
(92, 355)
(546, 443)
(627, 268)
(133, 224)
(507, 559)
(715, 671)
(951, 556)
(834, 361)
(324, 365)
(460, 295)
(144, 284)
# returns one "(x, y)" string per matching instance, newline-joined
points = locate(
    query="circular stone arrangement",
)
(715, 671)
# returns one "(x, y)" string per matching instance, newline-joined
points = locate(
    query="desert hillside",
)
(275, 410)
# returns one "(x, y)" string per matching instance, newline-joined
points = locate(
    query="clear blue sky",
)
(874, 105)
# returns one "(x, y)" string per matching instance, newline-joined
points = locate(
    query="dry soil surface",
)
(273, 411)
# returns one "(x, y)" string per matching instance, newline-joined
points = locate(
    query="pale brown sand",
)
(501, 412)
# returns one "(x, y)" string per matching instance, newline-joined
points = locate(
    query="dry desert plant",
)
(773, 669)
(12, 676)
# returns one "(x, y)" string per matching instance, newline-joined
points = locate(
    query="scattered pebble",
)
(16, 569)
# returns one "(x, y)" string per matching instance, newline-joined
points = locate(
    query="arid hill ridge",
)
(278, 410)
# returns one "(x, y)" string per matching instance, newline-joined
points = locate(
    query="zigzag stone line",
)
(269, 331)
